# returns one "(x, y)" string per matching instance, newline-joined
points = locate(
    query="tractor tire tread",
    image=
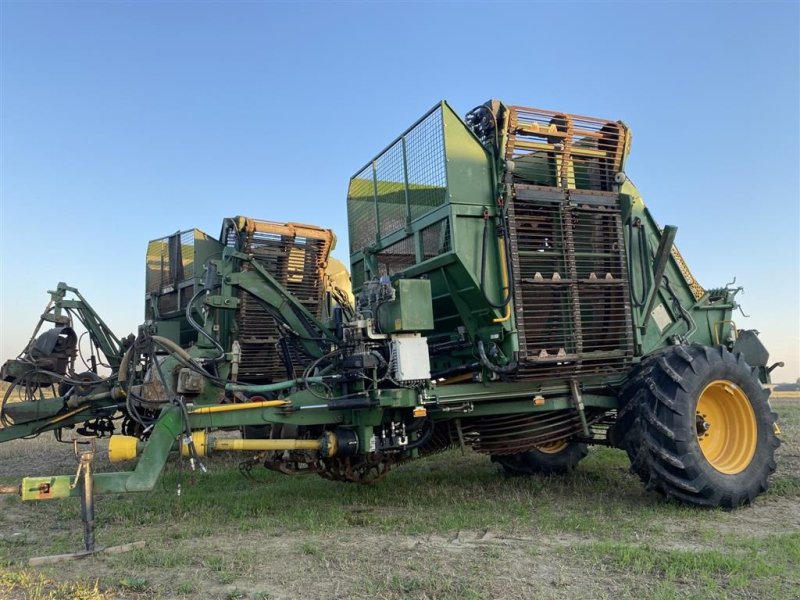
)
(656, 426)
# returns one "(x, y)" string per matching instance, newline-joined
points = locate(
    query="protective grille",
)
(391, 197)
(362, 224)
(405, 181)
(170, 260)
(427, 175)
(436, 239)
(357, 274)
(561, 150)
(297, 263)
(397, 257)
(170, 270)
(570, 283)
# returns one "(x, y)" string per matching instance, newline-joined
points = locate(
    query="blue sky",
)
(122, 122)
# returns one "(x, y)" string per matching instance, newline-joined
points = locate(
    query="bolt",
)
(701, 425)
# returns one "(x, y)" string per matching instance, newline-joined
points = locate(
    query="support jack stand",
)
(85, 480)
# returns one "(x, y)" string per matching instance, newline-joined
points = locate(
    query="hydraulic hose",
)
(420, 441)
(199, 329)
(168, 344)
(507, 369)
(271, 387)
(643, 260)
(509, 268)
(122, 374)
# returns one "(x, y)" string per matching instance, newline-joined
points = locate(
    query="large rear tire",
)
(697, 426)
(555, 458)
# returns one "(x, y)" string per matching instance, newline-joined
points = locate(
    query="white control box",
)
(412, 362)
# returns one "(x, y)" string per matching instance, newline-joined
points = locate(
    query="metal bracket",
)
(577, 399)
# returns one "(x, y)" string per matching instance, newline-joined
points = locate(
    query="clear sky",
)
(126, 121)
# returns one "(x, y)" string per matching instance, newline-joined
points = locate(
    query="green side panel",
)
(425, 208)
(411, 310)
(23, 412)
(169, 329)
(469, 166)
(706, 314)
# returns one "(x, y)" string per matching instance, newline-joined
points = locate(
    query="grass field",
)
(447, 527)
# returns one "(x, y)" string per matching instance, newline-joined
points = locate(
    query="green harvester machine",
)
(510, 292)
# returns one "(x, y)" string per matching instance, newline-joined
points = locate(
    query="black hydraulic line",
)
(507, 369)
(676, 303)
(200, 330)
(286, 356)
(176, 400)
(190, 364)
(643, 260)
(423, 439)
(281, 321)
(453, 371)
(420, 441)
(509, 268)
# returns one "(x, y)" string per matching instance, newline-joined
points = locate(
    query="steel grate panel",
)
(157, 264)
(357, 275)
(297, 263)
(170, 260)
(570, 294)
(563, 150)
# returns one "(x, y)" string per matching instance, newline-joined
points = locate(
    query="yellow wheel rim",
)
(552, 447)
(726, 427)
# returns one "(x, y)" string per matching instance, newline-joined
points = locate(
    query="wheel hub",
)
(726, 427)
(552, 447)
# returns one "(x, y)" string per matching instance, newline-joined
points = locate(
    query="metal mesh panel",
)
(186, 251)
(157, 264)
(168, 303)
(390, 184)
(436, 239)
(562, 150)
(571, 284)
(427, 175)
(397, 257)
(170, 260)
(361, 223)
(357, 274)
(408, 178)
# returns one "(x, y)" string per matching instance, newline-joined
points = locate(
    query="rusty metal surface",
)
(568, 251)
(564, 150)
(511, 434)
(297, 256)
(571, 299)
(367, 468)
